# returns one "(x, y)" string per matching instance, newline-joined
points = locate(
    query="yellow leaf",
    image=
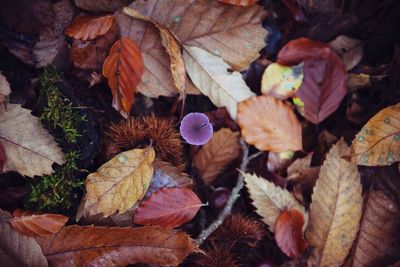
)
(118, 184)
(335, 210)
(378, 142)
(270, 200)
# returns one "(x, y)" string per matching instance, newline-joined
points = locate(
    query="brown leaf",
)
(29, 148)
(30, 224)
(112, 246)
(24, 250)
(288, 233)
(335, 210)
(220, 24)
(213, 157)
(239, 2)
(324, 83)
(5, 89)
(168, 207)
(89, 27)
(123, 68)
(350, 50)
(118, 184)
(378, 142)
(269, 124)
(101, 5)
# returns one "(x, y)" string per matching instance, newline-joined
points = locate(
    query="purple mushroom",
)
(196, 129)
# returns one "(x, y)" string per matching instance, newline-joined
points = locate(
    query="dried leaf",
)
(378, 142)
(350, 50)
(288, 233)
(29, 149)
(234, 33)
(123, 68)
(270, 200)
(213, 157)
(24, 250)
(101, 5)
(89, 27)
(210, 74)
(5, 89)
(30, 224)
(239, 2)
(112, 246)
(335, 209)
(269, 124)
(168, 207)
(118, 184)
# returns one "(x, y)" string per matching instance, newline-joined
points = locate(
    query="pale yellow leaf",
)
(29, 148)
(335, 209)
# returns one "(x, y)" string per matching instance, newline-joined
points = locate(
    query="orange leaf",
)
(168, 207)
(269, 124)
(288, 233)
(239, 2)
(29, 224)
(88, 28)
(123, 68)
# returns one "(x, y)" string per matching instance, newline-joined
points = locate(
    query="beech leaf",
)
(114, 246)
(89, 27)
(378, 142)
(269, 124)
(29, 148)
(335, 209)
(350, 50)
(30, 224)
(210, 74)
(239, 2)
(118, 184)
(214, 156)
(5, 89)
(168, 207)
(123, 68)
(270, 200)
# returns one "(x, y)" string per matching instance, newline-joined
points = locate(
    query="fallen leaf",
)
(89, 27)
(101, 5)
(113, 246)
(270, 200)
(288, 233)
(168, 207)
(214, 156)
(269, 124)
(29, 148)
(335, 210)
(123, 68)
(278, 162)
(210, 74)
(349, 49)
(23, 250)
(118, 184)
(324, 83)
(29, 224)
(239, 2)
(378, 142)
(234, 33)
(5, 89)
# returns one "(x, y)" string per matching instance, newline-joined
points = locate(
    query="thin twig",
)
(232, 198)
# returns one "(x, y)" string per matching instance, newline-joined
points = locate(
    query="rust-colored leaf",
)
(168, 207)
(113, 246)
(30, 224)
(123, 68)
(88, 28)
(269, 124)
(239, 2)
(288, 233)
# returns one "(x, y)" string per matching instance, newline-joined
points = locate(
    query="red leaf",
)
(29, 224)
(288, 233)
(168, 207)
(324, 83)
(88, 28)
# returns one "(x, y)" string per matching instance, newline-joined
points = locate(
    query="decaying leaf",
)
(378, 142)
(123, 68)
(239, 2)
(288, 233)
(335, 209)
(89, 27)
(168, 207)
(118, 184)
(269, 124)
(213, 157)
(270, 200)
(23, 250)
(210, 74)
(5, 89)
(113, 246)
(234, 33)
(30, 224)
(29, 148)
(101, 5)
(350, 50)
